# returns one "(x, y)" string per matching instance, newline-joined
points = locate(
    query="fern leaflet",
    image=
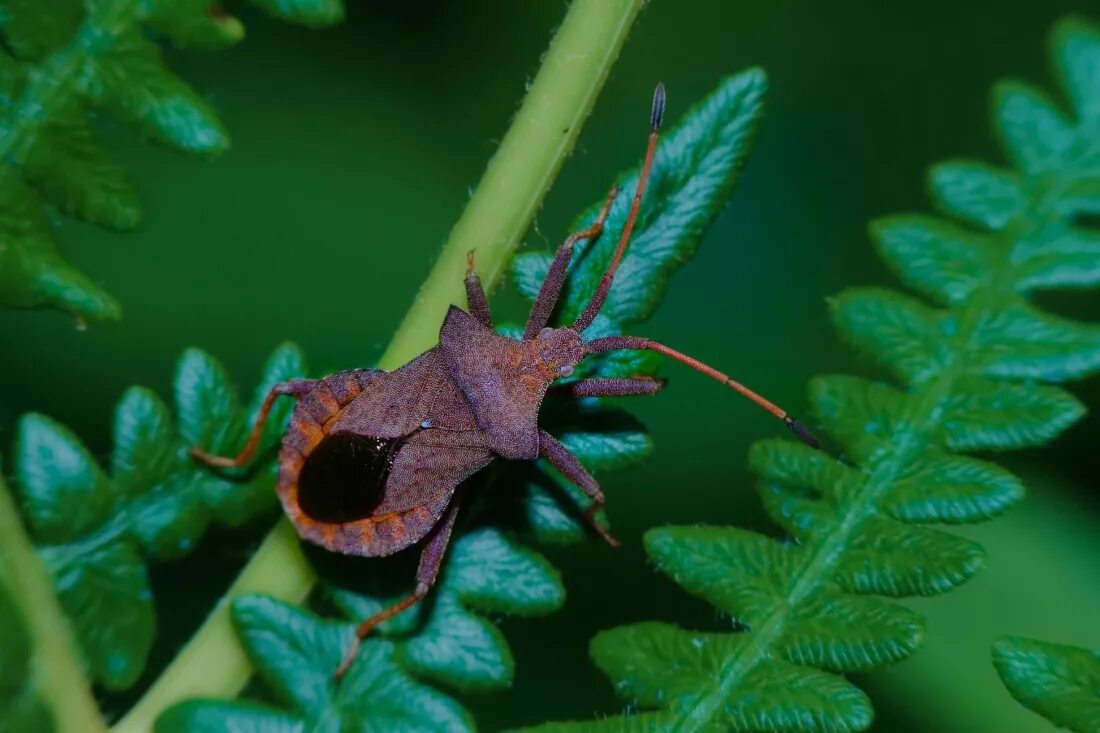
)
(95, 531)
(976, 373)
(1059, 682)
(67, 61)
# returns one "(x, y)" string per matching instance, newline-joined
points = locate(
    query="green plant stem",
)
(55, 672)
(521, 171)
(517, 178)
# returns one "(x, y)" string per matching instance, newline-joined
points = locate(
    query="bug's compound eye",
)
(544, 333)
(565, 370)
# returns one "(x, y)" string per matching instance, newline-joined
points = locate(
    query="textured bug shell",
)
(424, 471)
(503, 380)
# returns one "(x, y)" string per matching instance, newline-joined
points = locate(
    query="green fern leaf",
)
(32, 272)
(973, 191)
(70, 57)
(975, 372)
(96, 531)
(32, 32)
(194, 23)
(313, 13)
(1059, 682)
(132, 84)
(447, 642)
(695, 169)
(70, 169)
(295, 653)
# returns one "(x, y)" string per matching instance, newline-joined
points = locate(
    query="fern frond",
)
(976, 370)
(1059, 682)
(450, 644)
(96, 530)
(69, 61)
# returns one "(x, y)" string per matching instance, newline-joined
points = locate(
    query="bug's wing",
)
(377, 535)
(430, 463)
(420, 484)
(498, 380)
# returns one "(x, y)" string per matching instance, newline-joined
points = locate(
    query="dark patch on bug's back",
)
(344, 477)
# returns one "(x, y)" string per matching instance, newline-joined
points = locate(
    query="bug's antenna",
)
(584, 320)
(615, 343)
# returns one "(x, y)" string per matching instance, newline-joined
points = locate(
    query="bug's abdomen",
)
(359, 494)
(318, 515)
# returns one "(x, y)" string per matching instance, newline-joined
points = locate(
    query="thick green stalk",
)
(518, 176)
(55, 673)
(520, 173)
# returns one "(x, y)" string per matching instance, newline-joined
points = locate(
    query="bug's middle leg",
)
(610, 387)
(294, 388)
(560, 458)
(431, 559)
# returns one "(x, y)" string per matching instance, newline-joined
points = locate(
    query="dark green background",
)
(353, 153)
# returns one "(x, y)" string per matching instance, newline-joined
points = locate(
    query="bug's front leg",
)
(294, 388)
(475, 294)
(555, 277)
(431, 559)
(560, 458)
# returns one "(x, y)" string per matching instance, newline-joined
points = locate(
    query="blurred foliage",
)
(69, 59)
(96, 532)
(973, 373)
(22, 707)
(1061, 683)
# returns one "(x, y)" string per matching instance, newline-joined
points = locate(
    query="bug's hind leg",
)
(610, 387)
(560, 458)
(294, 388)
(431, 559)
(475, 294)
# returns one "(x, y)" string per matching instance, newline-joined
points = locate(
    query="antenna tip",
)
(658, 112)
(804, 435)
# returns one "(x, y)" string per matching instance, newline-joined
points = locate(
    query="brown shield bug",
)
(371, 460)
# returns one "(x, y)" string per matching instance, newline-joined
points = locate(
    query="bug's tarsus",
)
(431, 559)
(616, 343)
(365, 628)
(584, 320)
(657, 116)
(294, 388)
(593, 521)
(805, 435)
(567, 464)
(554, 281)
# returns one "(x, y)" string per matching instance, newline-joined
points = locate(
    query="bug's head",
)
(558, 350)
